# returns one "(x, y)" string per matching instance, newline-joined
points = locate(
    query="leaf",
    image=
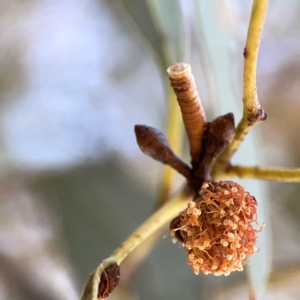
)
(161, 23)
(213, 49)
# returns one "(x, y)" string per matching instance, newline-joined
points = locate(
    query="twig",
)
(264, 173)
(253, 113)
(149, 227)
(136, 258)
(174, 137)
(174, 142)
(183, 83)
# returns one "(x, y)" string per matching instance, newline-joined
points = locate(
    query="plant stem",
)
(256, 23)
(150, 226)
(264, 173)
(174, 137)
(253, 113)
(168, 211)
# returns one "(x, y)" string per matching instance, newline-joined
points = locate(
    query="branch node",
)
(258, 117)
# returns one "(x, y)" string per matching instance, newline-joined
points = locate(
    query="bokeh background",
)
(75, 77)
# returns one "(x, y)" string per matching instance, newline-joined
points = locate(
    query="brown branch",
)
(183, 83)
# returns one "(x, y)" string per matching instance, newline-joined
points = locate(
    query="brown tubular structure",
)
(183, 83)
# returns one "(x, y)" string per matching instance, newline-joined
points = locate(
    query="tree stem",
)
(150, 226)
(263, 173)
(168, 211)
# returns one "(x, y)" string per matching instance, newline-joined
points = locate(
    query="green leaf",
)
(162, 25)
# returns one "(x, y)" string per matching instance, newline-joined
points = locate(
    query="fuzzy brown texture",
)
(109, 280)
(183, 83)
(216, 229)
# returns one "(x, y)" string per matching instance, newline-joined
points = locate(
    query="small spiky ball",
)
(216, 228)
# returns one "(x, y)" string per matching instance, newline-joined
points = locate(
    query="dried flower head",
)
(216, 229)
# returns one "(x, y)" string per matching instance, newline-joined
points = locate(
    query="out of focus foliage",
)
(75, 76)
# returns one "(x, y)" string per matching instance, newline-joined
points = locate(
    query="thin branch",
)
(168, 211)
(263, 173)
(256, 23)
(150, 226)
(174, 141)
(253, 113)
(174, 138)
(136, 258)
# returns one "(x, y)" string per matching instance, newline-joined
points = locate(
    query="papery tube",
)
(183, 83)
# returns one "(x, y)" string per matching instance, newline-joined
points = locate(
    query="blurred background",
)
(75, 77)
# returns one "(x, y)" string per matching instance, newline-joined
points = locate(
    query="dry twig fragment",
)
(93, 289)
(183, 83)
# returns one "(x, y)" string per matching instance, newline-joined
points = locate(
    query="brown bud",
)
(153, 143)
(219, 133)
(223, 129)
